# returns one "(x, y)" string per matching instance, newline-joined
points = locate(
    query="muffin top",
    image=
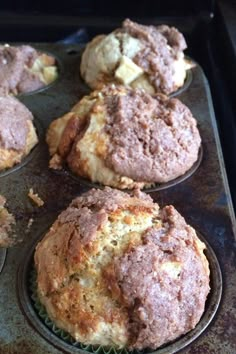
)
(17, 133)
(117, 270)
(14, 127)
(148, 57)
(125, 138)
(24, 69)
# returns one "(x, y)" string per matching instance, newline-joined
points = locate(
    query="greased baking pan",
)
(203, 199)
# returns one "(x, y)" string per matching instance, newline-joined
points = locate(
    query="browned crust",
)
(80, 281)
(73, 130)
(95, 145)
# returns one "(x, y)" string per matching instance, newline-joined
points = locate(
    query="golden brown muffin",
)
(23, 69)
(125, 138)
(17, 133)
(147, 57)
(7, 220)
(116, 270)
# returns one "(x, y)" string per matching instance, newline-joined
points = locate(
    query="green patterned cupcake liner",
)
(66, 337)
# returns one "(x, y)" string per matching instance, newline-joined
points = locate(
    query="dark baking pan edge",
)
(221, 158)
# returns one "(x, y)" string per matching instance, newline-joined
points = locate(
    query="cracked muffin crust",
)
(17, 133)
(117, 270)
(125, 138)
(23, 69)
(147, 57)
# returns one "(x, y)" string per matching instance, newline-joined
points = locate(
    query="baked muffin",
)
(24, 69)
(125, 138)
(148, 57)
(17, 133)
(116, 270)
(7, 221)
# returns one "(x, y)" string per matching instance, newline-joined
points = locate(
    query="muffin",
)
(17, 133)
(148, 57)
(125, 138)
(7, 221)
(117, 270)
(24, 69)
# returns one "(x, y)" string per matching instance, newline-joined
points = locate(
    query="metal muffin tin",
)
(203, 199)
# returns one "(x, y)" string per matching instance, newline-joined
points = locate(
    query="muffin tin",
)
(203, 199)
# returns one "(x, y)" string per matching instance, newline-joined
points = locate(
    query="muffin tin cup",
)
(38, 318)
